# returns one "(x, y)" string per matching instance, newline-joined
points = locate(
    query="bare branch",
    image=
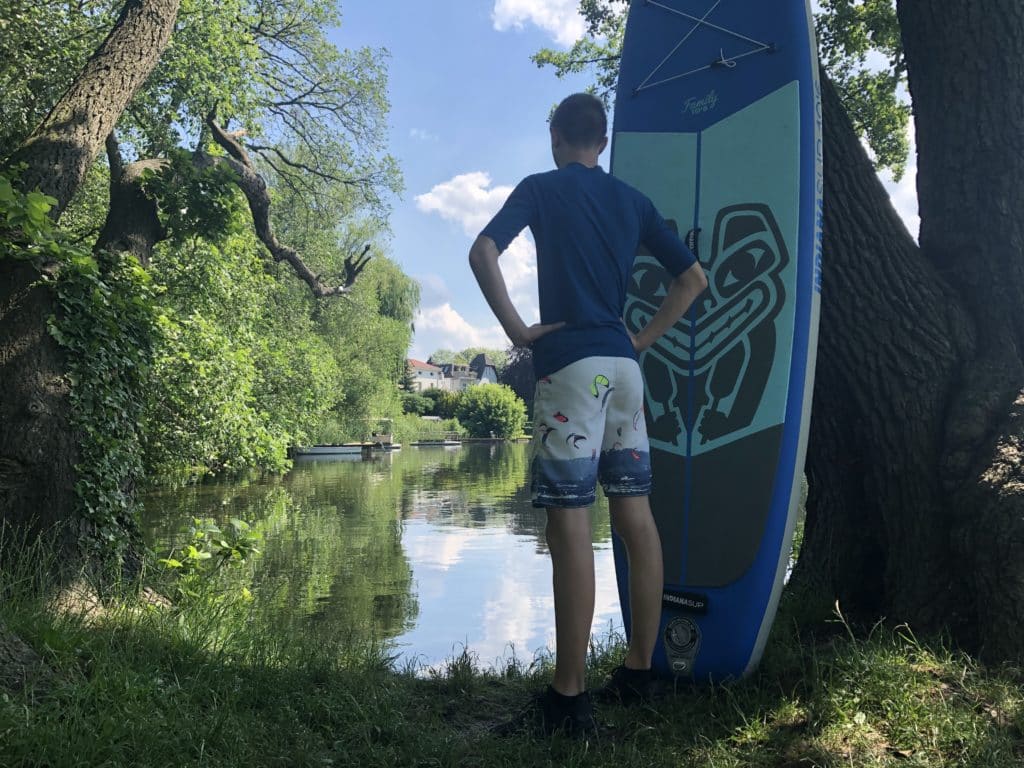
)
(226, 140)
(255, 190)
(261, 149)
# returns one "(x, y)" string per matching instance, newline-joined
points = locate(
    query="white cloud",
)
(469, 200)
(559, 18)
(422, 135)
(450, 330)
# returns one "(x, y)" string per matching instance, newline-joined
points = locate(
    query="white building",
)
(427, 376)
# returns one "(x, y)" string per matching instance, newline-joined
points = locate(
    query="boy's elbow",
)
(694, 278)
(479, 251)
(701, 278)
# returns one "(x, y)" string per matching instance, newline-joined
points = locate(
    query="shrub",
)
(488, 409)
(445, 403)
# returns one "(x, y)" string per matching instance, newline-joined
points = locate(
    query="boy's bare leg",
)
(572, 566)
(633, 522)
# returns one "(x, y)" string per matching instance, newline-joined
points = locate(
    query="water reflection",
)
(427, 549)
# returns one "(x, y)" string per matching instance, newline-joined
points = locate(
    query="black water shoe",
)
(550, 712)
(626, 686)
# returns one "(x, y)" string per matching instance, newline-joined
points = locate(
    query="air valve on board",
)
(682, 643)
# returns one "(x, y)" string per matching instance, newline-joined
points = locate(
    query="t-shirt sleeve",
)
(665, 245)
(518, 212)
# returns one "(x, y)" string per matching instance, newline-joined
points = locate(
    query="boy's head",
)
(579, 129)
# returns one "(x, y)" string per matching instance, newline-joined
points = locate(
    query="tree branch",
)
(261, 149)
(114, 157)
(255, 190)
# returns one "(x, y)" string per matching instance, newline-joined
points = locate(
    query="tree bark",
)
(133, 219)
(21, 667)
(890, 338)
(59, 152)
(916, 505)
(38, 447)
(966, 77)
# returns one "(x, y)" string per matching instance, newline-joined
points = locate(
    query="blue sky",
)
(468, 120)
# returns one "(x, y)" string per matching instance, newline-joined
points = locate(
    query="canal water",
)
(430, 551)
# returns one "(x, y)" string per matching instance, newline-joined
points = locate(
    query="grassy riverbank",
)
(212, 683)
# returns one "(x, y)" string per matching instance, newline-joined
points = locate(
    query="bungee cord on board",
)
(700, 21)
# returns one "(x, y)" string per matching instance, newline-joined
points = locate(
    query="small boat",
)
(333, 450)
(437, 444)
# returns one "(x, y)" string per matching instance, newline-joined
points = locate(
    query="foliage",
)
(487, 410)
(417, 404)
(254, 363)
(203, 411)
(863, 53)
(195, 200)
(408, 381)
(43, 45)
(140, 682)
(208, 361)
(597, 52)
(464, 357)
(518, 374)
(108, 325)
(445, 402)
(445, 356)
(409, 428)
(208, 549)
(860, 48)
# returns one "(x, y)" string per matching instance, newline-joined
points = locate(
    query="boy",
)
(588, 410)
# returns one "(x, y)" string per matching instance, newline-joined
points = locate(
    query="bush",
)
(409, 428)
(416, 404)
(445, 403)
(491, 409)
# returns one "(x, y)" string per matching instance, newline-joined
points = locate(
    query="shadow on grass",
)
(213, 683)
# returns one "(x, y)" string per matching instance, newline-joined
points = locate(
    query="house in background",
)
(454, 377)
(459, 376)
(485, 369)
(427, 376)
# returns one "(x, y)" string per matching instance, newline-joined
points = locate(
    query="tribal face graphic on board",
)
(725, 343)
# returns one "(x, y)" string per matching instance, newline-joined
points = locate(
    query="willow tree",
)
(916, 505)
(174, 101)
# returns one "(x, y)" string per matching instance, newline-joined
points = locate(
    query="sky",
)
(467, 122)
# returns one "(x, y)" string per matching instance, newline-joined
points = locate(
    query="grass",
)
(212, 683)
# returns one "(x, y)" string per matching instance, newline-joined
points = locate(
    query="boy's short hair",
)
(580, 120)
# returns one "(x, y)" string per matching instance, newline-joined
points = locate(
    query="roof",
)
(458, 371)
(481, 362)
(419, 364)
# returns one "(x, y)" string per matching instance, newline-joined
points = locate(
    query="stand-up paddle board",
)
(718, 121)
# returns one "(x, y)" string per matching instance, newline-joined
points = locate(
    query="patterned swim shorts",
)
(588, 426)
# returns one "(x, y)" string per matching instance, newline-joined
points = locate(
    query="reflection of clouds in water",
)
(490, 591)
(430, 548)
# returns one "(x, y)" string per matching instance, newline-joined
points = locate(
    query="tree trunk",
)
(38, 449)
(21, 667)
(915, 511)
(61, 149)
(966, 77)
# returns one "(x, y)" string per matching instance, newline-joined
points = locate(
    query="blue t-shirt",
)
(588, 226)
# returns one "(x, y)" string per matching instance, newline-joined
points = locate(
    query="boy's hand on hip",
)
(531, 333)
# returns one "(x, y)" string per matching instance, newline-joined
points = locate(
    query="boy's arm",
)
(682, 292)
(483, 259)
